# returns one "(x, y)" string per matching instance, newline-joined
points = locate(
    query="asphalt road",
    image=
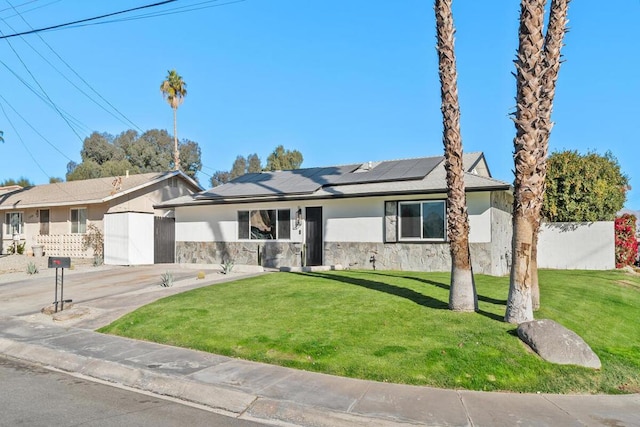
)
(34, 396)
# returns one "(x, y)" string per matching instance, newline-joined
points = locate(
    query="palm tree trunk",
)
(551, 67)
(176, 153)
(527, 183)
(533, 270)
(462, 293)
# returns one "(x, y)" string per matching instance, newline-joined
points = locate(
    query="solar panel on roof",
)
(306, 181)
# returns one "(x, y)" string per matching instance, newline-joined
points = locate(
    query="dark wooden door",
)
(314, 236)
(44, 222)
(164, 240)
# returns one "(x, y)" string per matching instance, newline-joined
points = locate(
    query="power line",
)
(33, 128)
(173, 11)
(43, 91)
(53, 27)
(122, 116)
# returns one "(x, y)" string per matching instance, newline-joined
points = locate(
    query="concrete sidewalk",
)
(272, 394)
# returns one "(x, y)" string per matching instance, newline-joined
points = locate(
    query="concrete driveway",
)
(100, 294)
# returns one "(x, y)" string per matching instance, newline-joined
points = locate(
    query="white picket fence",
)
(67, 245)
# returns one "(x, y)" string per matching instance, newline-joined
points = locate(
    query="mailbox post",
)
(59, 263)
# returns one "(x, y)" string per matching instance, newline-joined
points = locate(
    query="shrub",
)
(200, 275)
(227, 266)
(626, 242)
(94, 239)
(166, 280)
(32, 268)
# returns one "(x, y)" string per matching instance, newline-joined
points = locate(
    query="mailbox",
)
(59, 262)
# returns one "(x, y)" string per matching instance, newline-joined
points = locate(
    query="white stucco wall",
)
(358, 220)
(219, 223)
(572, 246)
(479, 210)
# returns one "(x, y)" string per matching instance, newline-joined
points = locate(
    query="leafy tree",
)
(174, 89)
(190, 155)
(254, 164)
(588, 187)
(88, 169)
(99, 148)
(282, 159)
(220, 177)
(239, 167)
(22, 182)
(104, 155)
(54, 179)
(462, 293)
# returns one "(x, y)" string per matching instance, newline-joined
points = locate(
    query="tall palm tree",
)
(553, 43)
(462, 293)
(537, 65)
(174, 89)
(526, 143)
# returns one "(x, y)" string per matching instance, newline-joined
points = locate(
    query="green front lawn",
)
(395, 326)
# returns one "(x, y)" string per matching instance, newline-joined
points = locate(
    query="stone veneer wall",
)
(266, 253)
(403, 256)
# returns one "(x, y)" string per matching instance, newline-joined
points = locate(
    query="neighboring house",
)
(393, 212)
(55, 217)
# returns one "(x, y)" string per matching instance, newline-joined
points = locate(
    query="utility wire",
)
(22, 141)
(33, 8)
(173, 11)
(43, 91)
(34, 129)
(53, 27)
(126, 121)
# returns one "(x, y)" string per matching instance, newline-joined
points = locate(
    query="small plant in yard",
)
(166, 279)
(97, 261)
(227, 266)
(94, 239)
(32, 268)
(200, 275)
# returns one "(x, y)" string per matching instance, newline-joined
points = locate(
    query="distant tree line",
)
(279, 159)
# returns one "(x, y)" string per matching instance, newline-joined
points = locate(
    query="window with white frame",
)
(423, 220)
(79, 220)
(13, 223)
(264, 224)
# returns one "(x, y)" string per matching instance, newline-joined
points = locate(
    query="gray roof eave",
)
(281, 198)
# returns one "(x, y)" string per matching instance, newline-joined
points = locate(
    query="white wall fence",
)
(67, 245)
(577, 246)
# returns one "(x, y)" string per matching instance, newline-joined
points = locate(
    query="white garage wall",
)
(572, 246)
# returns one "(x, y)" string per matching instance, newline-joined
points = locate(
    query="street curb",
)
(233, 403)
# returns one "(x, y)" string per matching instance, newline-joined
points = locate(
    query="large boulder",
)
(557, 344)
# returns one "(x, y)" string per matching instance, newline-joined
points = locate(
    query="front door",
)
(44, 222)
(314, 236)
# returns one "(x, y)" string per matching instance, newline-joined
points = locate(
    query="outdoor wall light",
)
(298, 217)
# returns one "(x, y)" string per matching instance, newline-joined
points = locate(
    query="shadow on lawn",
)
(412, 295)
(446, 287)
(409, 294)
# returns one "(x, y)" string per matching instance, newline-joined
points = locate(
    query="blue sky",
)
(342, 81)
